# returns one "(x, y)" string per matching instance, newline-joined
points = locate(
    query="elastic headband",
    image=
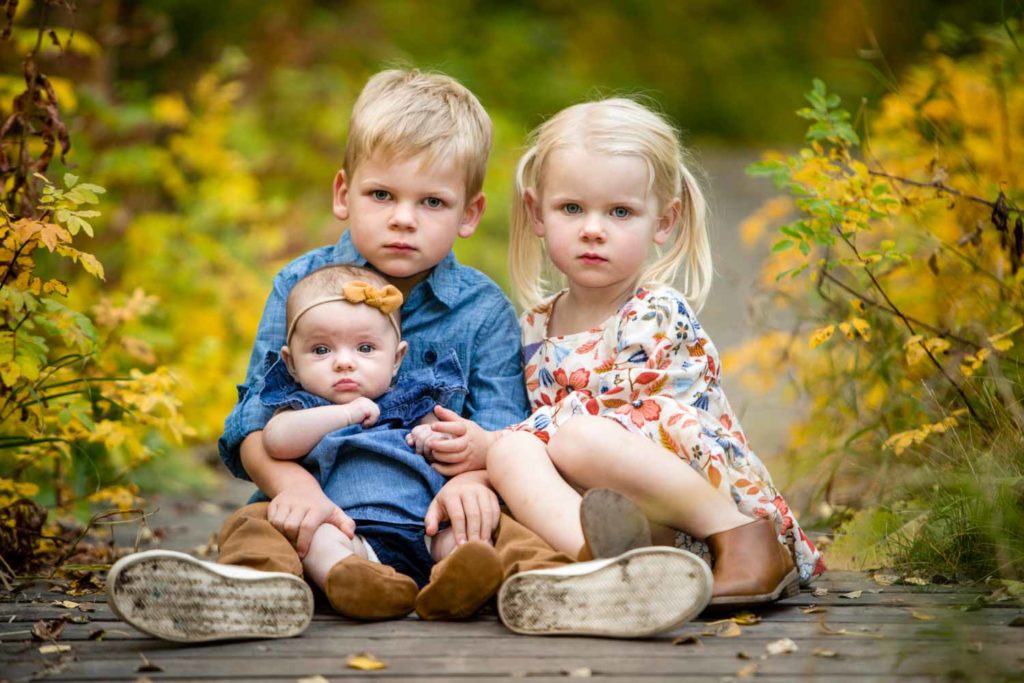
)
(387, 300)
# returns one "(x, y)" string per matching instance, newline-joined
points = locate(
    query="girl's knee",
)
(513, 452)
(579, 438)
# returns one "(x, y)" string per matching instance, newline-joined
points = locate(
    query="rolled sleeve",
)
(497, 396)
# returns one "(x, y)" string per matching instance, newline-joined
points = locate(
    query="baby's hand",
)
(363, 411)
(419, 440)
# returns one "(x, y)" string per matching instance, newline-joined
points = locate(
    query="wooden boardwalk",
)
(852, 629)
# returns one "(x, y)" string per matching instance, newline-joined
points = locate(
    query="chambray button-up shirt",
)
(456, 308)
(371, 473)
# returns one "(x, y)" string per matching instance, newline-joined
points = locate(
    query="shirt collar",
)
(443, 280)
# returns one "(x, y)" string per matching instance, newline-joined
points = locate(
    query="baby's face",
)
(341, 351)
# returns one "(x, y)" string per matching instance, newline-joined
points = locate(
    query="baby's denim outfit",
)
(372, 473)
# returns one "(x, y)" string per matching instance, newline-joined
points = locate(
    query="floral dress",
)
(653, 369)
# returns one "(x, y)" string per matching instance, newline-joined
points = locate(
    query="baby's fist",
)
(363, 411)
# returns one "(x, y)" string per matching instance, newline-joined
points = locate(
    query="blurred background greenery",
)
(217, 127)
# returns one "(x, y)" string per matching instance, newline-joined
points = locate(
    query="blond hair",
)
(405, 113)
(614, 126)
(328, 281)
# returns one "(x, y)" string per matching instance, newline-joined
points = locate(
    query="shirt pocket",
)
(425, 355)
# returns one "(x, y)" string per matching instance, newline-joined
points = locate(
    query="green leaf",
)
(781, 245)
(70, 179)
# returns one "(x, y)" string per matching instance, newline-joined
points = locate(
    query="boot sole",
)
(787, 588)
(176, 597)
(638, 594)
(612, 523)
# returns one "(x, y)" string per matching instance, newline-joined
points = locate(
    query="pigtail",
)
(525, 253)
(691, 250)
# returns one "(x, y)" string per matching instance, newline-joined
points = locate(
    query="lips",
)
(400, 247)
(592, 258)
(346, 385)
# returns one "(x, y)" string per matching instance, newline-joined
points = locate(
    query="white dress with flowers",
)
(652, 369)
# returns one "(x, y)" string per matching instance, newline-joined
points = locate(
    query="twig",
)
(937, 185)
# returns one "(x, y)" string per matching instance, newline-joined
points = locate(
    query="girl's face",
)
(598, 219)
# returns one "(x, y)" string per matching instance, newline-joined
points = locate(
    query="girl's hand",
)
(363, 411)
(465, 447)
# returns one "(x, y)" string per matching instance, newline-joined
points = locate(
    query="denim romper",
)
(372, 474)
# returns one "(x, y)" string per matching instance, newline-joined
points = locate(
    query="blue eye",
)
(365, 348)
(321, 350)
(621, 212)
(572, 209)
(381, 195)
(433, 203)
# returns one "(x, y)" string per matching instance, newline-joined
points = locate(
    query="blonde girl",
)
(622, 379)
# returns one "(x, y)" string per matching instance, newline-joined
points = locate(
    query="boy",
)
(410, 185)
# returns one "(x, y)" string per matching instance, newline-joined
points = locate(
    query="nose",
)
(403, 217)
(592, 229)
(343, 360)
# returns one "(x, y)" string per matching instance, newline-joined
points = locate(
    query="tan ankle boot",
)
(612, 524)
(751, 566)
(460, 583)
(360, 589)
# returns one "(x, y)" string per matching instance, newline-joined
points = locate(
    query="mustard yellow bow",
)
(386, 299)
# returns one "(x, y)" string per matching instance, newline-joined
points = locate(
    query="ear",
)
(472, 215)
(533, 210)
(289, 361)
(341, 189)
(403, 347)
(668, 221)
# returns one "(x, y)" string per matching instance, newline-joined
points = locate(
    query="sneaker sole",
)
(612, 523)
(176, 597)
(638, 594)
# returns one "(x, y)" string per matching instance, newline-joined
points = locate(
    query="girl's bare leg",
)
(522, 473)
(329, 547)
(593, 452)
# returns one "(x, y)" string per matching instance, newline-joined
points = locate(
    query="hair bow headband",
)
(387, 300)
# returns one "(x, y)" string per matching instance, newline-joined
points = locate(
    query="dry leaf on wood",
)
(781, 647)
(53, 649)
(824, 652)
(828, 630)
(48, 630)
(582, 672)
(148, 666)
(813, 609)
(915, 581)
(1017, 621)
(313, 679)
(726, 628)
(364, 661)
(747, 671)
(852, 595)
(745, 618)
(820, 592)
(687, 639)
(885, 579)
(922, 616)
(975, 647)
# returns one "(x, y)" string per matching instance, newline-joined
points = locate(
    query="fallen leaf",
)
(975, 647)
(582, 672)
(687, 639)
(820, 592)
(98, 635)
(148, 666)
(67, 604)
(313, 679)
(726, 628)
(852, 595)
(824, 652)
(885, 579)
(743, 655)
(747, 671)
(364, 661)
(48, 630)
(813, 609)
(922, 616)
(915, 581)
(828, 630)
(51, 649)
(1017, 621)
(781, 647)
(745, 619)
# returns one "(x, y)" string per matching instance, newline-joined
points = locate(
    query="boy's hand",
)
(464, 449)
(470, 504)
(420, 437)
(298, 511)
(363, 411)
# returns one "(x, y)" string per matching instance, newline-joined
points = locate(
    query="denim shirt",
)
(371, 473)
(455, 308)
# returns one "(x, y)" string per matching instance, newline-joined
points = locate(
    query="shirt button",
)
(430, 357)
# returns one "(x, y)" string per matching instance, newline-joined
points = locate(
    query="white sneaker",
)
(637, 594)
(174, 596)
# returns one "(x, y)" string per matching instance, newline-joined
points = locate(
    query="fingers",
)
(450, 447)
(446, 415)
(304, 537)
(452, 470)
(339, 519)
(452, 428)
(457, 515)
(435, 515)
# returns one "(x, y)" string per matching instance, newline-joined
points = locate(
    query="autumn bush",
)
(893, 308)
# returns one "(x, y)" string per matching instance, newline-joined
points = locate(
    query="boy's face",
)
(404, 215)
(341, 351)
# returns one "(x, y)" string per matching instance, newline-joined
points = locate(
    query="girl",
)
(623, 381)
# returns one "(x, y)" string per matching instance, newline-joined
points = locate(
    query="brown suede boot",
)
(360, 589)
(460, 583)
(751, 566)
(612, 524)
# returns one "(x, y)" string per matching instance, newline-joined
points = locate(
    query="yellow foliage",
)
(821, 335)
